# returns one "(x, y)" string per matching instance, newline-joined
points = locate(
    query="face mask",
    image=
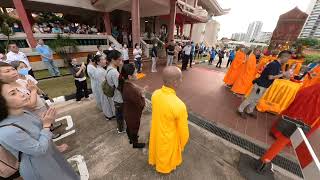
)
(155, 45)
(23, 71)
(138, 47)
(125, 46)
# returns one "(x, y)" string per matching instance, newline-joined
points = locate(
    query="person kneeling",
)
(133, 103)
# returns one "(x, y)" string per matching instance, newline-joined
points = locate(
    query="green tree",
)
(7, 31)
(64, 46)
(308, 42)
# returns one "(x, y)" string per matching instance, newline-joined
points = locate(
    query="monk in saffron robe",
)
(235, 67)
(313, 77)
(169, 126)
(305, 107)
(244, 81)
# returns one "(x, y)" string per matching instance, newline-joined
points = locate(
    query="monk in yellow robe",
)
(169, 126)
(235, 68)
(244, 81)
(312, 78)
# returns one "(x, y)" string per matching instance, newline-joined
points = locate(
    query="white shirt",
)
(20, 56)
(187, 50)
(137, 53)
(125, 54)
(100, 53)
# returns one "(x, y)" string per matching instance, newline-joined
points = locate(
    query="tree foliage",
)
(64, 46)
(308, 42)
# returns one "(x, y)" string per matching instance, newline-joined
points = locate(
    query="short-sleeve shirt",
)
(20, 56)
(44, 50)
(74, 69)
(113, 81)
(273, 68)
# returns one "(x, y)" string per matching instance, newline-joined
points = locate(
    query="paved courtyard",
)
(204, 93)
(108, 155)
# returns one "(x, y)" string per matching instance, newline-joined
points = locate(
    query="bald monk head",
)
(172, 77)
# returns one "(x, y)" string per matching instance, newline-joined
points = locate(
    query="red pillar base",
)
(173, 9)
(135, 18)
(107, 22)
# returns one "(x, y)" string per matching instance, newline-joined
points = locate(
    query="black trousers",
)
(119, 115)
(185, 60)
(229, 62)
(191, 59)
(219, 62)
(82, 89)
(210, 60)
(31, 73)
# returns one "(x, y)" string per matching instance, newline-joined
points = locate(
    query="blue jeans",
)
(52, 68)
(138, 64)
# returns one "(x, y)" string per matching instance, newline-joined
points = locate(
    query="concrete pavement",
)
(109, 155)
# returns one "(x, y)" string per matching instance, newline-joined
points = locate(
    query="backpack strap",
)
(17, 126)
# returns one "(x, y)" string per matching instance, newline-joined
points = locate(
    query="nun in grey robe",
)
(40, 160)
(107, 104)
(93, 80)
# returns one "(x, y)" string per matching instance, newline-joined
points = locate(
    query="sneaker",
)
(120, 132)
(253, 115)
(55, 126)
(242, 114)
(138, 145)
(55, 136)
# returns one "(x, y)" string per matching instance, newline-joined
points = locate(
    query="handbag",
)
(106, 88)
(9, 164)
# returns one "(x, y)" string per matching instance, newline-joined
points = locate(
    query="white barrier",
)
(69, 126)
(308, 160)
(82, 167)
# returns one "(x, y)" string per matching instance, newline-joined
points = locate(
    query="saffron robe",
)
(305, 107)
(169, 130)
(244, 81)
(312, 77)
(235, 68)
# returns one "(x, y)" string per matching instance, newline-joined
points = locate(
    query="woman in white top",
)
(91, 71)
(137, 52)
(125, 54)
(107, 104)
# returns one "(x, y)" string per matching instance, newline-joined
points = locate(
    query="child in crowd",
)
(77, 69)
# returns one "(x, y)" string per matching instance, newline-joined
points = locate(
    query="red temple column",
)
(191, 27)
(135, 18)
(181, 29)
(172, 21)
(107, 22)
(26, 24)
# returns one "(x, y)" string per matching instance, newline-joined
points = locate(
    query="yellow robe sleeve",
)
(182, 128)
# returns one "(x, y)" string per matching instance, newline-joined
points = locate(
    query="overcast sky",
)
(245, 11)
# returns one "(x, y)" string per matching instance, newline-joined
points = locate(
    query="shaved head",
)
(171, 76)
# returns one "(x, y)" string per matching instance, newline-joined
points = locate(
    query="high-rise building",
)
(264, 37)
(311, 28)
(253, 31)
(238, 36)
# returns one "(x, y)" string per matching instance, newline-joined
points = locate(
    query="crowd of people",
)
(58, 28)
(29, 121)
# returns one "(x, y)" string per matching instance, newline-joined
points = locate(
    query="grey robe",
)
(40, 159)
(93, 79)
(106, 102)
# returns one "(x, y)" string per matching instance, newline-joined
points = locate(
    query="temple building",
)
(288, 28)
